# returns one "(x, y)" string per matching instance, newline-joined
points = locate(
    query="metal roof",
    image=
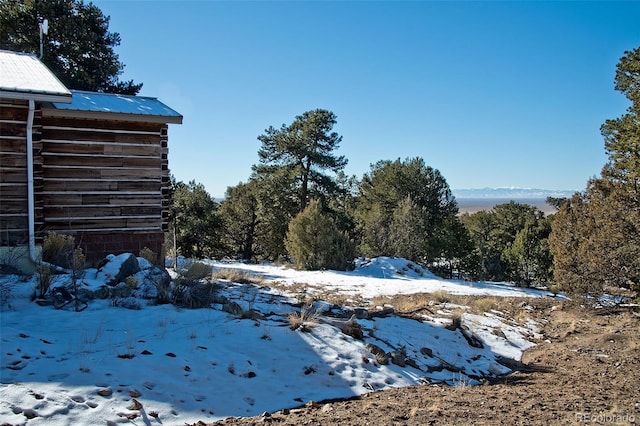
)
(23, 76)
(127, 106)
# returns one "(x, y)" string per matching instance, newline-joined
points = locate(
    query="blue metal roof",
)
(119, 104)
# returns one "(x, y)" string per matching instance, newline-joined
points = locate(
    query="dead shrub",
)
(305, 320)
(194, 294)
(44, 276)
(58, 249)
(149, 255)
(131, 281)
(456, 321)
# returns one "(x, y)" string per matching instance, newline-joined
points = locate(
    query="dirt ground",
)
(587, 371)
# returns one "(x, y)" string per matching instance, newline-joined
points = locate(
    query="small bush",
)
(149, 255)
(131, 281)
(11, 258)
(58, 249)
(315, 242)
(44, 275)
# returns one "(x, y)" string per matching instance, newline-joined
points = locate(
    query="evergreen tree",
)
(297, 163)
(303, 152)
(276, 207)
(78, 48)
(407, 230)
(194, 215)
(239, 215)
(481, 227)
(315, 242)
(595, 238)
(528, 257)
(512, 243)
(385, 188)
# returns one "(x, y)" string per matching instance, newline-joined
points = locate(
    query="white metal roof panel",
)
(23, 74)
(118, 104)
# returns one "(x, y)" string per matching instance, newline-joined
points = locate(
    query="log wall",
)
(14, 220)
(106, 182)
(101, 178)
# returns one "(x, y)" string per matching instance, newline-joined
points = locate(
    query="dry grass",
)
(404, 303)
(441, 296)
(456, 321)
(237, 276)
(197, 271)
(305, 320)
(484, 304)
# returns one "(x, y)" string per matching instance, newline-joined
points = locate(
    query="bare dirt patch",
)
(587, 371)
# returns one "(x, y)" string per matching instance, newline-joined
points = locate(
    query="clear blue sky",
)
(492, 94)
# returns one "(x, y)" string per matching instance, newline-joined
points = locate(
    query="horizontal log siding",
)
(104, 182)
(14, 220)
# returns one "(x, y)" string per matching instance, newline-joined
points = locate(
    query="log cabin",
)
(88, 164)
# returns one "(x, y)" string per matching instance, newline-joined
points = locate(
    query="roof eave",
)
(36, 96)
(93, 115)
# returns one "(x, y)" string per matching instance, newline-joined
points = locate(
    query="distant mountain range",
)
(511, 193)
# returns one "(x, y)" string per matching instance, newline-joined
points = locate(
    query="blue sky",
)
(492, 94)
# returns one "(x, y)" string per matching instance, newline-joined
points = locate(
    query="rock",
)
(353, 329)
(398, 358)
(121, 290)
(412, 363)
(105, 392)
(152, 282)
(383, 313)
(426, 351)
(135, 405)
(118, 268)
(381, 355)
(361, 313)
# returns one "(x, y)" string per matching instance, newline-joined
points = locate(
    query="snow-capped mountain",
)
(511, 193)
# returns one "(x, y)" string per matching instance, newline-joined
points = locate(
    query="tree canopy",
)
(402, 207)
(303, 153)
(596, 235)
(78, 48)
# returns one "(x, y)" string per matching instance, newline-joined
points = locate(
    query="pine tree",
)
(196, 222)
(385, 188)
(297, 163)
(239, 215)
(315, 242)
(596, 235)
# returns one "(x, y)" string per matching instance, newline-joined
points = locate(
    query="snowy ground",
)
(166, 365)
